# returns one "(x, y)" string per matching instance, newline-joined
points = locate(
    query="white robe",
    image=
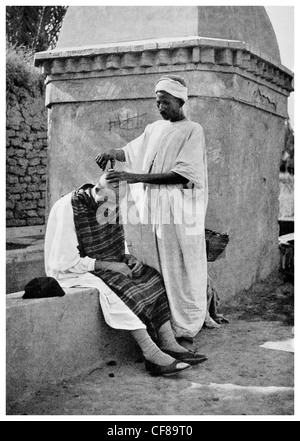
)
(173, 237)
(63, 262)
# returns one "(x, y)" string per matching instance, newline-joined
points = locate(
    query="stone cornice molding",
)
(155, 56)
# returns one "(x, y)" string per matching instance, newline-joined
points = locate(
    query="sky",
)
(282, 19)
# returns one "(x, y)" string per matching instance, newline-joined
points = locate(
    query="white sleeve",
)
(61, 244)
(191, 161)
(135, 152)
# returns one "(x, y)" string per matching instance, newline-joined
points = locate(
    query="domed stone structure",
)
(87, 26)
(100, 95)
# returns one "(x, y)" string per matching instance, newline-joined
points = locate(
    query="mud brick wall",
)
(26, 159)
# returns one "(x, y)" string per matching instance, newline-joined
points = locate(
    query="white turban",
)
(173, 87)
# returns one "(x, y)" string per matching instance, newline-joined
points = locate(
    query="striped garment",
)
(146, 295)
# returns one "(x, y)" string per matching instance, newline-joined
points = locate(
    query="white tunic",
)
(172, 217)
(63, 262)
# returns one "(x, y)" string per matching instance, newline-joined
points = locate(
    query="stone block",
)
(12, 179)
(14, 197)
(51, 340)
(35, 221)
(32, 137)
(17, 189)
(9, 206)
(33, 187)
(32, 154)
(11, 162)
(10, 152)
(16, 170)
(147, 59)
(16, 223)
(26, 196)
(224, 57)
(46, 68)
(181, 56)
(21, 153)
(36, 126)
(246, 60)
(41, 170)
(84, 65)
(35, 161)
(23, 162)
(163, 57)
(196, 55)
(207, 55)
(10, 133)
(15, 142)
(98, 63)
(113, 62)
(32, 213)
(58, 67)
(129, 61)
(238, 58)
(36, 195)
(253, 65)
(26, 205)
(27, 146)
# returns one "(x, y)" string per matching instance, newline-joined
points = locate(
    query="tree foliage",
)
(21, 74)
(34, 27)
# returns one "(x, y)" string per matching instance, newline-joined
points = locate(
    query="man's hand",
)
(114, 176)
(103, 159)
(170, 178)
(135, 265)
(117, 267)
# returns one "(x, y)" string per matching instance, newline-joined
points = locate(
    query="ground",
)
(239, 378)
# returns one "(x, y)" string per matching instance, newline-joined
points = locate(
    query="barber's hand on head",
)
(103, 159)
(136, 266)
(117, 267)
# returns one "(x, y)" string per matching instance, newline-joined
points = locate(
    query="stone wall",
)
(26, 149)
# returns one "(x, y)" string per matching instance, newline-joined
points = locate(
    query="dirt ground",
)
(240, 377)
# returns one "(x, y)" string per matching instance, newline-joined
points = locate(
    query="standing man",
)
(166, 168)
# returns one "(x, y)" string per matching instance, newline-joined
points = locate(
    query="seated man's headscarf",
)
(174, 85)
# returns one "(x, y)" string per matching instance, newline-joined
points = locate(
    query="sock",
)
(150, 350)
(168, 340)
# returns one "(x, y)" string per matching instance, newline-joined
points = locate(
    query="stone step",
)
(56, 339)
(24, 263)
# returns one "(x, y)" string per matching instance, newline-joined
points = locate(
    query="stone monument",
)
(100, 95)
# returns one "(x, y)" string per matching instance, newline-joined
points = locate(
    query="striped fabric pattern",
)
(146, 295)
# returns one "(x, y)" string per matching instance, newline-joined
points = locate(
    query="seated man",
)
(84, 247)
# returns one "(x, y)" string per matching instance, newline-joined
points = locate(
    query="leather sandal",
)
(173, 368)
(191, 358)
